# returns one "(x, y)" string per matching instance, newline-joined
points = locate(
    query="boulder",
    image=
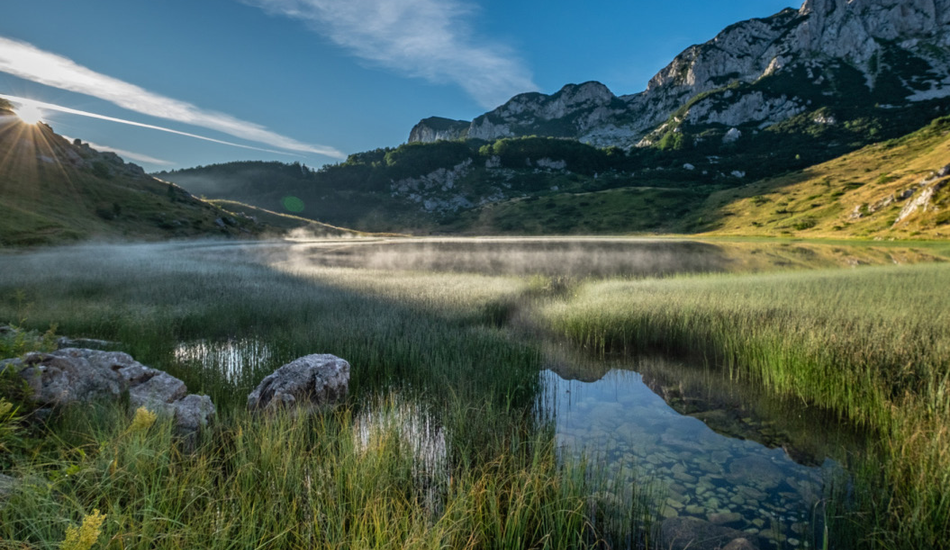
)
(680, 533)
(75, 375)
(313, 382)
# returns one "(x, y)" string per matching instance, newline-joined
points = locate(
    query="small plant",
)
(86, 535)
(142, 421)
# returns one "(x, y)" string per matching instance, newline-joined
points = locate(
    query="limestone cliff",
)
(876, 53)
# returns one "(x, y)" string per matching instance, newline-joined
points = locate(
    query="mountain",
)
(832, 62)
(53, 190)
(764, 100)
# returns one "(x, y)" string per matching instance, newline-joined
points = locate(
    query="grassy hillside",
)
(554, 186)
(54, 191)
(888, 190)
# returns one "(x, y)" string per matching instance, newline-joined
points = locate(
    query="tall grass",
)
(352, 479)
(286, 482)
(872, 344)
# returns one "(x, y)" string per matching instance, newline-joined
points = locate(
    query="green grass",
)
(421, 347)
(462, 350)
(853, 196)
(56, 192)
(872, 344)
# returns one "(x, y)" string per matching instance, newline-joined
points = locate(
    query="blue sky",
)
(314, 80)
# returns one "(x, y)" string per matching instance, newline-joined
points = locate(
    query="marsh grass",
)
(459, 353)
(426, 351)
(872, 344)
(284, 482)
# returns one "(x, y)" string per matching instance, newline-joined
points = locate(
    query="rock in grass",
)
(75, 375)
(313, 382)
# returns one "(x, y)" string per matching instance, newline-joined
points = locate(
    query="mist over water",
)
(569, 257)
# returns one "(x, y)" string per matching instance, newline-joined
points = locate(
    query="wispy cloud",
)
(424, 38)
(43, 106)
(30, 63)
(127, 155)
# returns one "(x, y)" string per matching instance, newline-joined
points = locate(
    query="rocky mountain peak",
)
(828, 53)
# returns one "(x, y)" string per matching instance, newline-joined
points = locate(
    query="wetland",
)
(556, 393)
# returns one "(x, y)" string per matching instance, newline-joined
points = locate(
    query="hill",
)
(54, 191)
(896, 189)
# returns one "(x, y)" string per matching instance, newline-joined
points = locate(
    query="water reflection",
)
(736, 485)
(235, 358)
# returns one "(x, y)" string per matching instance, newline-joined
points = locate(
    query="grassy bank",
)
(873, 344)
(355, 479)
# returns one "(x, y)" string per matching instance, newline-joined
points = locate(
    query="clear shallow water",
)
(693, 470)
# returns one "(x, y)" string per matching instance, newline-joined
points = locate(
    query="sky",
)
(178, 83)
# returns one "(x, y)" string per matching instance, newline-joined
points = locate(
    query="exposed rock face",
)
(438, 128)
(826, 41)
(313, 382)
(74, 375)
(926, 192)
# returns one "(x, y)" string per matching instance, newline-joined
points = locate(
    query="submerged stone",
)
(684, 533)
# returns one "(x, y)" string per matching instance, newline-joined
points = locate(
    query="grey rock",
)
(74, 375)
(682, 533)
(71, 375)
(158, 389)
(312, 382)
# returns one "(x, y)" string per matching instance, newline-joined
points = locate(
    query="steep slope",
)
(876, 63)
(896, 189)
(54, 191)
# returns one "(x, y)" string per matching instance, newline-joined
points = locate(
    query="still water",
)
(736, 466)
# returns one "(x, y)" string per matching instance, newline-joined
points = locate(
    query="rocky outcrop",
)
(899, 46)
(74, 375)
(312, 383)
(923, 195)
(438, 128)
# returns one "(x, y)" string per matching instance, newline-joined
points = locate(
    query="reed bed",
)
(424, 349)
(872, 344)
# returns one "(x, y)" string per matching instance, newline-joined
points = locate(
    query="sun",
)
(30, 114)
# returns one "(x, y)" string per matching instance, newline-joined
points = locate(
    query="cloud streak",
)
(423, 38)
(68, 110)
(30, 63)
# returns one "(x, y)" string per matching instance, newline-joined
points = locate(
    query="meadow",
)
(460, 354)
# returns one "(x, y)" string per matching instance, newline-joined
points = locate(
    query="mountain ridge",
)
(894, 47)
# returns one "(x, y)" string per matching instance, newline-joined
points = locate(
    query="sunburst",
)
(30, 114)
